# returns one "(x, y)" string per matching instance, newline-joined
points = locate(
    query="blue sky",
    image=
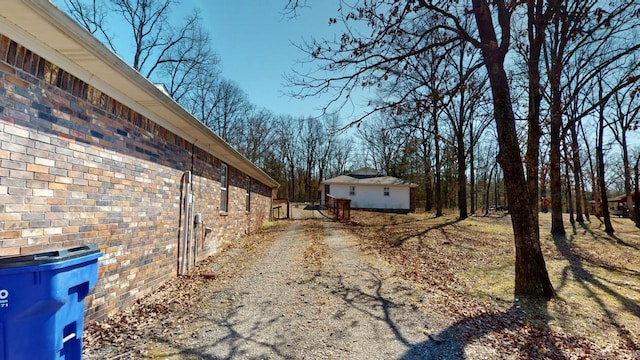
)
(253, 40)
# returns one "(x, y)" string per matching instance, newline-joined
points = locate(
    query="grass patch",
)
(470, 265)
(269, 224)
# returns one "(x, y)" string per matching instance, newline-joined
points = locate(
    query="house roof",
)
(623, 197)
(48, 31)
(366, 171)
(368, 176)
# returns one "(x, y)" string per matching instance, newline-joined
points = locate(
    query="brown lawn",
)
(467, 268)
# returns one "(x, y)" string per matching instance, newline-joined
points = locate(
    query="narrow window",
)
(248, 198)
(386, 191)
(224, 198)
(352, 190)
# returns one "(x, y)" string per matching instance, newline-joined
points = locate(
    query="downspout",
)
(192, 226)
(186, 222)
(197, 240)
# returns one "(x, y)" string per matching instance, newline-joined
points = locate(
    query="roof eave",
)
(411, 185)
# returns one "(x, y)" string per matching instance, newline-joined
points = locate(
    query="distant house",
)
(618, 204)
(368, 189)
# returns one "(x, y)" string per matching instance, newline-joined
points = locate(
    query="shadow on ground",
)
(588, 281)
(521, 331)
(236, 333)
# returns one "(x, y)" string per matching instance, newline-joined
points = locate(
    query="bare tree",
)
(185, 63)
(556, 48)
(592, 173)
(466, 94)
(258, 137)
(574, 106)
(287, 146)
(329, 133)
(531, 274)
(172, 54)
(602, 103)
(201, 102)
(359, 60)
(93, 16)
(627, 107)
(231, 108)
(577, 172)
(309, 131)
(636, 203)
(486, 168)
(425, 81)
(222, 106)
(586, 38)
(538, 17)
(342, 157)
(385, 143)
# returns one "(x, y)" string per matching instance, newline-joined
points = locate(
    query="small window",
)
(224, 198)
(248, 197)
(386, 191)
(352, 190)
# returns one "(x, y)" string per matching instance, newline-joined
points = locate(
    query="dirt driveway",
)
(310, 293)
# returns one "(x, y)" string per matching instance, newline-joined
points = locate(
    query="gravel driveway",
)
(312, 294)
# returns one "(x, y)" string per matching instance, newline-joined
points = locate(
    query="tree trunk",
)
(488, 192)
(462, 178)
(428, 189)
(321, 174)
(438, 185)
(307, 185)
(577, 172)
(636, 206)
(592, 172)
(604, 204)
(428, 182)
(472, 175)
(496, 197)
(531, 277)
(572, 220)
(290, 188)
(627, 171)
(608, 227)
(536, 32)
(555, 59)
(555, 177)
(568, 188)
(462, 158)
(585, 203)
(292, 183)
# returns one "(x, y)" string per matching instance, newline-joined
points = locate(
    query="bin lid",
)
(48, 256)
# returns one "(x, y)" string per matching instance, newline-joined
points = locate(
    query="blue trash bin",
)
(42, 302)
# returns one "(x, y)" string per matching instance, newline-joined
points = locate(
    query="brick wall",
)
(78, 167)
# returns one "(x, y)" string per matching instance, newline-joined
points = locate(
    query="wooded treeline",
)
(571, 71)
(431, 121)
(552, 70)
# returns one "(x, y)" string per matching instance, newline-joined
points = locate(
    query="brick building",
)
(91, 152)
